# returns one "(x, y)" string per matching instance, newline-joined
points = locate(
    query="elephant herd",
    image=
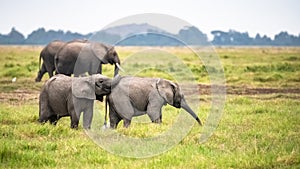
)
(83, 55)
(126, 96)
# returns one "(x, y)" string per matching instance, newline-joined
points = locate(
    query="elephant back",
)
(67, 55)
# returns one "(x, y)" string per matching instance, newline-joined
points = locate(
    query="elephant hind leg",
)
(45, 111)
(126, 123)
(121, 108)
(74, 122)
(114, 118)
(41, 72)
(53, 119)
(114, 122)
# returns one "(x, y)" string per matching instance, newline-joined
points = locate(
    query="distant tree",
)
(233, 37)
(153, 36)
(220, 38)
(41, 36)
(37, 37)
(237, 38)
(105, 37)
(258, 40)
(192, 36)
(285, 39)
(14, 37)
(71, 36)
(151, 39)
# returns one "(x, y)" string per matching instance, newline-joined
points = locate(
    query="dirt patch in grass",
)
(19, 96)
(242, 90)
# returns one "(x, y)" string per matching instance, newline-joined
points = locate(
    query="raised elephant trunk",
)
(117, 68)
(117, 65)
(187, 108)
(114, 82)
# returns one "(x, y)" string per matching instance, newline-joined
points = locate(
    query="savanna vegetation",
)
(258, 129)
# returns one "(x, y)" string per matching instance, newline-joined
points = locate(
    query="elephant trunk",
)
(117, 65)
(187, 108)
(117, 68)
(115, 81)
(116, 72)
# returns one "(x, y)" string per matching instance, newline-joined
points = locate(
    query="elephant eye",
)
(97, 85)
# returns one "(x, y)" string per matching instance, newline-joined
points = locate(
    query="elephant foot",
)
(74, 126)
(87, 127)
(157, 121)
(37, 80)
(53, 123)
(127, 123)
(42, 121)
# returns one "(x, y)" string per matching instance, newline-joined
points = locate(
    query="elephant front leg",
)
(88, 115)
(99, 70)
(157, 121)
(73, 115)
(154, 113)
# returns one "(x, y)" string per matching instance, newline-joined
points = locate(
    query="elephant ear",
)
(167, 90)
(100, 51)
(84, 87)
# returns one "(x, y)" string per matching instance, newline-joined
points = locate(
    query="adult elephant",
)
(135, 96)
(79, 57)
(47, 54)
(66, 96)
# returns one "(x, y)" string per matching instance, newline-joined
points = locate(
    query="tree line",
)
(187, 35)
(237, 38)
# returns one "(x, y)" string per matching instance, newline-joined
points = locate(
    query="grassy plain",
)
(256, 131)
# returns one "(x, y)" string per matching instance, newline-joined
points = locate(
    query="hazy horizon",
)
(268, 17)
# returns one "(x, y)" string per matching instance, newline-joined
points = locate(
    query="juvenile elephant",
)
(135, 96)
(65, 96)
(48, 54)
(79, 57)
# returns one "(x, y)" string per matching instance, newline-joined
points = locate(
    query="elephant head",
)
(172, 94)
(92, 87)
(107, 54)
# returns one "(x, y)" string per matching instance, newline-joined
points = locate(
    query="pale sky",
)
(254, 16)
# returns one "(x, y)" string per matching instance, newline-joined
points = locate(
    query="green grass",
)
(261, 67)
(256, 131)
(257, 67)
(253, 133)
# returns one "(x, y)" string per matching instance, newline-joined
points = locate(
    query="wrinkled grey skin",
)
(48, 54)
(79, 57)
(135, 96)
(65, 96)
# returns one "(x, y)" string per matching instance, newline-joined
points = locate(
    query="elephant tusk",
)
(118, 65)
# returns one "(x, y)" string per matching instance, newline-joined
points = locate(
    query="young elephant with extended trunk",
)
(135, 96)
(65, 96)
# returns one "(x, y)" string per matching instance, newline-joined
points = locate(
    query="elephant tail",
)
(56, 64)
(41, 54)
